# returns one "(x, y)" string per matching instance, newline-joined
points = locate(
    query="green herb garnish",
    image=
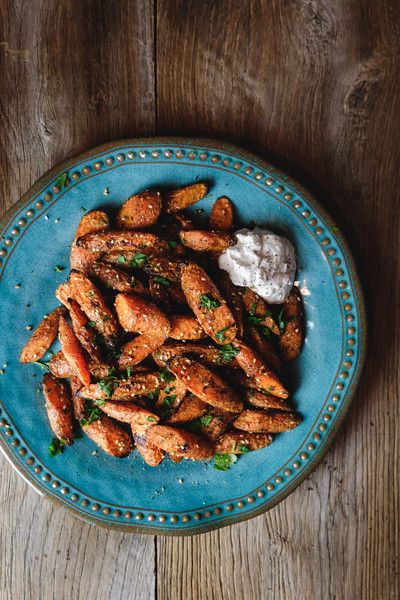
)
(62, 180)
(106, 387)
(220, 335)
(226, 353)
(152, 419)
(152, 396)
(207, 301)
(129, 372)
(105, 318)
(243, 448)
(265, 331)
(166, 376)
(173, 243)
(162, 280)
(283, 321)
(91, 324)
(223, 462)
(255, 319)
(56, 446)
(138, 259)
(92, 413)
(90, 293)
(121, 259)
(59, 269)
(335, 229)
(83, 209)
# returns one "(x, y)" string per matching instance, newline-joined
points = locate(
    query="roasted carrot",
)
(42, 337)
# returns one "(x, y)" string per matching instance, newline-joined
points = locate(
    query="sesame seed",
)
(29, 327)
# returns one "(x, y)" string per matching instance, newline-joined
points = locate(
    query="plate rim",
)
(320, 452)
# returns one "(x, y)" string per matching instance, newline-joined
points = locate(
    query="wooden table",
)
(315, 88)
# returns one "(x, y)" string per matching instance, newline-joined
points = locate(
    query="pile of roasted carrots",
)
(159, 350)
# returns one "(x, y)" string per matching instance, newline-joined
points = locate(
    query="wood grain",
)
(314, 86)
(73, 74)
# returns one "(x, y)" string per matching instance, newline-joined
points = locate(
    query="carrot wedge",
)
(116, 278)
(59, 366)
(140, 211)
(292, 335)
(186, 327)
(189, 409)
(73, 352)
(205, 384)
(255, 367)
(177, 200)
(93, 305)
(238, 442)
(109, 436)
(138, 315)
(107, 241)
(206, 241)
(91, 222)
(208, 305)
(42, 337)
(180, 442)
(221, 216)
(59, 408)
(264, 400)
(84, 332)
(139, 348)
(260, 421)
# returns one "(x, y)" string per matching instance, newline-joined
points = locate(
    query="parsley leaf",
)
(243, 448)
(166, 376)
(223, 462)
(207, 301)
(173, 243)
(92, 413)
(152, 396)
(151, 419)
(56, 446)
(90, 293)
(129, 372)
(220, 335)
(138, 259)
(162, 280)
(265, 331)
(226, 353)
(254, 318)
(201, 422)
(91, 324)
(59, 269)
(106, 387)
(335, 229)
(62, 180)
(121, 259)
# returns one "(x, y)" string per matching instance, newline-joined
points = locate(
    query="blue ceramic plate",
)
(189, 497)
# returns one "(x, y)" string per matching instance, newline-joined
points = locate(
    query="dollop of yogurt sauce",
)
(263, 261)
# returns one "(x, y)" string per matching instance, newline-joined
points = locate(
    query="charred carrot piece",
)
(139, 348)
(83, 331)
(206, 241)
(255, 367)
(73, 351)
(221, 216)
(265, 400)
(186, 327)
(42, 337)
(91, 222)
(94, 305)
(107, 241)
(238, 442)
(205, 384)
(177, 200)
(64, 293)
(139, 315)
(208, 305)
(116, 278)
(59, 408)
(292, 335)
(59, 366)
(260, 421)
(140, 211)
(179, 442)
(109, 436)
(189, 409)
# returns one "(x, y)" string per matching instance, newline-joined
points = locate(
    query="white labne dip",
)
(263, 261)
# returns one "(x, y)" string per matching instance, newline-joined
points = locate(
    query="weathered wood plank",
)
(73, 74)
(314, 87)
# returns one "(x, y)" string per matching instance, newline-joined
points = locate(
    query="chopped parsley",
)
(162, 280)
(105, 318)
(243, 448)
(59, 269)
(173, 243)
(152, 419)
(221, 334)
(226, 353)
(166, 376)
(137, 259)
(265, 331)
(62, 180)
(223, 462)
(335, 229)
(56, 446)
(255, 319)
(283, 321)
(207, 301)
(90, 293)
(129, 372)
(121, 259)
(106, 387)
(92, 413)
(201, 422)
(168, 401)
(91, 323)
(83, 209)
(152, 396)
